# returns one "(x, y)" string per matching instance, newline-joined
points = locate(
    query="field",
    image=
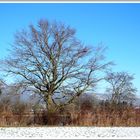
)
(85, 114)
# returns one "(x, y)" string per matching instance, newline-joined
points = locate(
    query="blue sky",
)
(116, 25)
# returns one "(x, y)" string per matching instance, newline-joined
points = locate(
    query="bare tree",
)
(121, 87)
(51, 59)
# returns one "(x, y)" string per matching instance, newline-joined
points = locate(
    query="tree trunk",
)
(50, 105)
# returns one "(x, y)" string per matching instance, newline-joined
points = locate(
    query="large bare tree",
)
(121, 87)
(51, 59)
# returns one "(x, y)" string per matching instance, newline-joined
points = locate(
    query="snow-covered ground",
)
(70, 132)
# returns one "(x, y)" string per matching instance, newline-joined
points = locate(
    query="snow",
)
(69, 132)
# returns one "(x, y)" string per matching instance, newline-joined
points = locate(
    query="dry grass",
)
(102, 115)
(84, 114)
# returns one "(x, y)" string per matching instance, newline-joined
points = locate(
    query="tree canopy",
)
(51, 59)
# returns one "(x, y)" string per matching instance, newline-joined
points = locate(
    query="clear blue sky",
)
(116, 25)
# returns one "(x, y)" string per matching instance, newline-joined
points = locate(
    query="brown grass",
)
(83, 114)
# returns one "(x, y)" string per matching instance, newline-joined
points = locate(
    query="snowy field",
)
(69, 132)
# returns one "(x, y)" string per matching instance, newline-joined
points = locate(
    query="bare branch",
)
(50, 58)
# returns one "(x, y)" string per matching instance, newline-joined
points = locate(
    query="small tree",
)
(52, 60)
(121, 87)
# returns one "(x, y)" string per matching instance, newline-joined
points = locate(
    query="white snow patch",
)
(69, 132)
